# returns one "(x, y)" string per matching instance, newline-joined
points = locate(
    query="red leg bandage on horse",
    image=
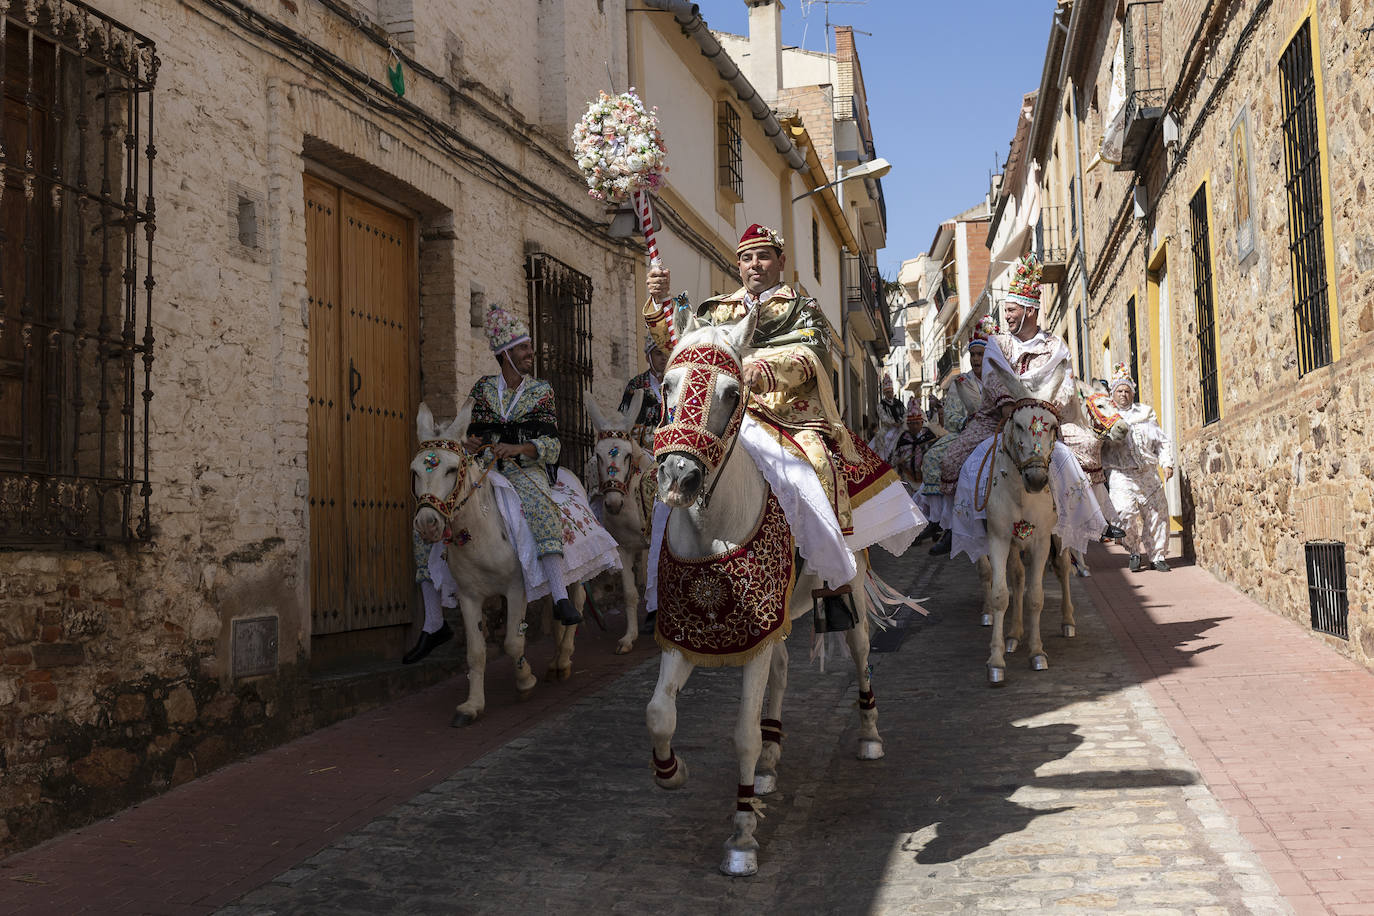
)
(665, 769)
(772, 730)
(745, 799)
(867, 700)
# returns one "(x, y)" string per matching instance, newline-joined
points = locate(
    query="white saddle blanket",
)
(1079, 516)
(588, 549)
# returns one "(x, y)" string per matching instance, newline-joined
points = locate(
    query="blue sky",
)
(944, 80)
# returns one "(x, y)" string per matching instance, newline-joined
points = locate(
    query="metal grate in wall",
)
(560, 301)
(730, 150)
(1326, 594)
(1206, 308)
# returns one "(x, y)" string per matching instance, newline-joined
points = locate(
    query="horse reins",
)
(449, 505)
(618, 486)
(705, 498)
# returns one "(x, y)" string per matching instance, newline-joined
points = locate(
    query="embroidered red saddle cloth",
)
(723, 610)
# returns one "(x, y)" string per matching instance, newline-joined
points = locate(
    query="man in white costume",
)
(1133, 467)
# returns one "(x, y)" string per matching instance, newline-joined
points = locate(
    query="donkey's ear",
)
(742, 334)
(424, 423)
(1055, 381)
(459, 426)
(631, 413)
(593, 411)
(684, 318)
(1015, 387)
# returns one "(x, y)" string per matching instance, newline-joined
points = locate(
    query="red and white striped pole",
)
(646, 223)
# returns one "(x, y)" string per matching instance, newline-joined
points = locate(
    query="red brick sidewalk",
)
(1280, 725)
(208, 842)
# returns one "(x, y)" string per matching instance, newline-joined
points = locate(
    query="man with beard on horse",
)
(788, 376)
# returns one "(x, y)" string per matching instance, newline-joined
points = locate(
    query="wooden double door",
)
(362, 289)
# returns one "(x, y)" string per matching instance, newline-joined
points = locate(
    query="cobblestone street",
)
(1066, 789)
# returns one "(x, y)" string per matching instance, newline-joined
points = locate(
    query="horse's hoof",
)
(740, 863)
(986, 620)
(677, 780)
(1070, 631)
(1039, 663)
(624, 648)
(765, 783)
(462, 719)
(1012, 644)
(996, 676)
(523, 695)
(871, 749)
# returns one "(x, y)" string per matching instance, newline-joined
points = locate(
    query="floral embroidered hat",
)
(757, 236)
(1025, 286)
(984, 329)
(1121, 375)
(504, 330)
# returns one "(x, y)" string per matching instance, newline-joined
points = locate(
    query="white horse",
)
(458, 505)
(717, 506)
(615, 473)
(1021, 519)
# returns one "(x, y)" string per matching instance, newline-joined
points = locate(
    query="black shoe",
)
(1113, 532)
(565, 612)
(943, 545)
(931, 530)
(1160, 565)
(1134, 564)
(427, 643)
(650, 621)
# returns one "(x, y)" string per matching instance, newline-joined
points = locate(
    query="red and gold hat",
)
(757, 236)
(1025, 286)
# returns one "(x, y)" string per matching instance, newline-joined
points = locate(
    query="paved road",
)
(1064, 792)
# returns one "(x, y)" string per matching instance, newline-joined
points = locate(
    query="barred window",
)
(1327, 598)
(560, 302)
(730, 150)
(1206, 309)
(1306, 232)
(76, 283)
(1132, 342)
(816, 248)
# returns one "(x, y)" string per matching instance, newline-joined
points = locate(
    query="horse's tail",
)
(884, 601)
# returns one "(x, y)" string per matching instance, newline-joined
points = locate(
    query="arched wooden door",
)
(361, 286)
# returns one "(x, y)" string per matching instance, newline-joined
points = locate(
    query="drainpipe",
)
(1082, 231)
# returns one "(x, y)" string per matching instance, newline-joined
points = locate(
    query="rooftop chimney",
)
(764, 67)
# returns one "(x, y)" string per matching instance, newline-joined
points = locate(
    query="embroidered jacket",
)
(531, 418)
(649, 409)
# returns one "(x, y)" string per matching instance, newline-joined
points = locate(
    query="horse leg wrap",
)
(665, 769)
(868, 700)
(772, 730)
(744, 801)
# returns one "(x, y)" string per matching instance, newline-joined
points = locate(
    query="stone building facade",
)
(406, 164)
(1230, 262)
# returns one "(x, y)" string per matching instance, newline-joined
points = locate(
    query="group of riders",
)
(513, 435)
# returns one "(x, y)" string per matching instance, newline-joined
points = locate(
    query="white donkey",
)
(458, 505)
(1021, 519)
(616, 473)
(719, 506)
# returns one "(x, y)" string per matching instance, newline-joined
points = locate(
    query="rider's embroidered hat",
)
(984, 329)
(914, 408)
(757, 236)
(1121, 375)
(504, 330)
(1025, 286)
(887, 384)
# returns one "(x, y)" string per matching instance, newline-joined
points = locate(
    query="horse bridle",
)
(617, 486)
(1036, 460)
(687, 429)
(450, 504)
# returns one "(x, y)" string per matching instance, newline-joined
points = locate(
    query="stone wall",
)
(115, 676)
(1289, 460)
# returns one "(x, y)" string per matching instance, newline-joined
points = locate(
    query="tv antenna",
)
(808, 5)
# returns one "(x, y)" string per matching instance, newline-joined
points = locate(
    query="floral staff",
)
(619, 147)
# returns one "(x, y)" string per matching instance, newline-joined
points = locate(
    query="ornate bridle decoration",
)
(687, 424)
(1102, 413)
(616, 483)
(1038, 426)
(450, 504)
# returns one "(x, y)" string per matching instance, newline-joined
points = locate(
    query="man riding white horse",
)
(1033, 356)
(797, 430)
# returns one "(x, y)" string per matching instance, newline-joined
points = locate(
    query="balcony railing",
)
(863, 293)
(945, 363)
(1143, 44)
(1051, 244)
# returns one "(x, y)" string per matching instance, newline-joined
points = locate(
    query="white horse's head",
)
(1033, 427)
(438, 471)
(703, 406)
(616, 456)
(1099, 413)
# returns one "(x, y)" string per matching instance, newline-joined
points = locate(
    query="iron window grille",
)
(1306, 232)
(730, 150)
(1142, 33)
(1327, 598)
(1051, 246)
(560, 301)
(1206, 308)
(1132, 342)
(76, 239)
